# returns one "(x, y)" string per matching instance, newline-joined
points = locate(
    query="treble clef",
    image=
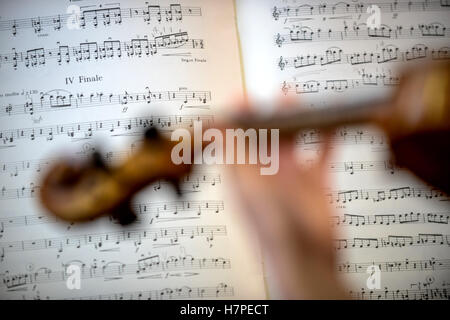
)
(285, 88)
(276, 13)
(279, 41)
(282, 63)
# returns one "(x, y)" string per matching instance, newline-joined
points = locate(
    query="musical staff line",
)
(306, 34)
(57, 100)
(389, 219)
(222, 290)
(396, 266)
(351, 167)
(37, 165)
(102, 16)
(380, 195)
(343, 136)
(160, 211)
(393, 241)
(390, 53)
(97, 240)
(367, 80)
(100, 51)
(402, 294)
(116, 127)
(334, 196)
(357, 8)
(190, 183)
(116, 269)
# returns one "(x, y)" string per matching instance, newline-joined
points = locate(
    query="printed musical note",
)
(359, 220)
(390, 53)
(396, 266)
(354, 167)
(56, 100)
(402, 294)
(100, 51)
(85, 130)
(343, 136)
(103, 16)
(99, 240)
(143, 269)
(339, 8)
(190, 183)
(306, 34)
(367, 80)
(159, 211)
(221, 290)
(381, 195)
(393, 241)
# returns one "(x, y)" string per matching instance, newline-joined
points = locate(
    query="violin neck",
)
(292, 121)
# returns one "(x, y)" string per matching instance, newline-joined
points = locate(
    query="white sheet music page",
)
(79, 76)
(330, 51)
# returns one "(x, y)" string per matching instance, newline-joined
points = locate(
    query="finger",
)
(259, 204)
(288, 162)
(326, 148)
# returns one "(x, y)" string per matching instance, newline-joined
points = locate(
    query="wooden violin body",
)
(83, 191)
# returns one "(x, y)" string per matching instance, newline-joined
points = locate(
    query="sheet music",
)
(322, 52)
(66, 91)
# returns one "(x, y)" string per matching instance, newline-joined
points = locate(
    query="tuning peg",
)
(98, 162)
(124, 214)
(176, 183)
(152, 134)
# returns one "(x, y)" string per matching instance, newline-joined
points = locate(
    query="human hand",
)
(290, 213)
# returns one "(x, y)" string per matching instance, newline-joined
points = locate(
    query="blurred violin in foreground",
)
(416, 119)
